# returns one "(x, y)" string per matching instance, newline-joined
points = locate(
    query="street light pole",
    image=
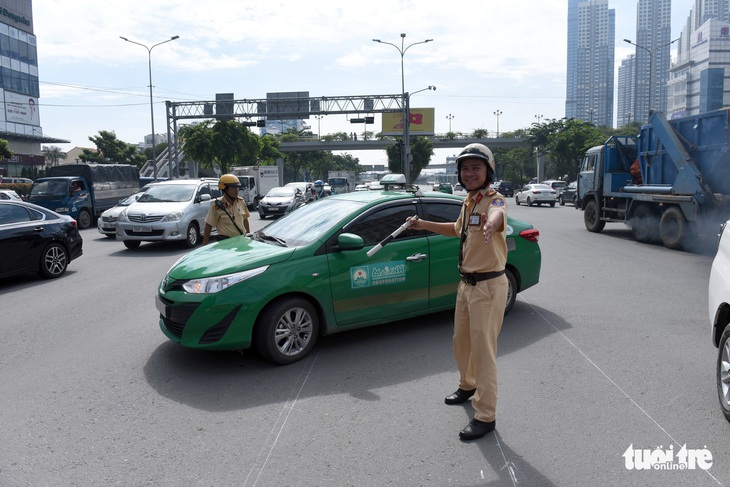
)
(406, 114)
(450, 117)
(152, 106)
(539, 118)
(319, 132)
(651, 69)
(590, 112)
(497, 114)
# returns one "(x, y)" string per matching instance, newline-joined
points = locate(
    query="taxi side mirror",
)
(350, 241)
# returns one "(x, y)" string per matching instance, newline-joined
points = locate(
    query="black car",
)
(35, 239)
(569, 194)
(504, 188)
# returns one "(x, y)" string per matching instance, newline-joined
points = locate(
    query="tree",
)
(110, 150)
(480, 133)
(53, 154)
(226, 143)
(421, 150)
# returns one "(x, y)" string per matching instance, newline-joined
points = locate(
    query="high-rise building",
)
(626, 109)
(591, 39)
(19, 88)
(653, 57)
(700, 76)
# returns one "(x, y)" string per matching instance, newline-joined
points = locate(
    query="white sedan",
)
(719, 311)
(536, 194)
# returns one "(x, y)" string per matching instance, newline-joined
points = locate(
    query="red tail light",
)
(531, 234)
(534, 191)
(75, 224)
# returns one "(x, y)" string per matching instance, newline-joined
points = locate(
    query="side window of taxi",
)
(377, 225)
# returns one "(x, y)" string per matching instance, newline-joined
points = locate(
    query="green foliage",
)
(110, 150)
(5, 152)
(226, 143)
(421, 150)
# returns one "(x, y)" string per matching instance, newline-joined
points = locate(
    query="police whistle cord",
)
(390, 237)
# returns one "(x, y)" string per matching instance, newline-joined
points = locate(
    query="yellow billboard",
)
(422, 122)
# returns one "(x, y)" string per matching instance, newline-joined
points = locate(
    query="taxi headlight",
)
(216, 284)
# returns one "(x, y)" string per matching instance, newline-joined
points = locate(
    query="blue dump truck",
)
(670, 183)
(84, 191)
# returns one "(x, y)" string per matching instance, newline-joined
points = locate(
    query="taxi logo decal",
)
(359, 277)
(378, 274)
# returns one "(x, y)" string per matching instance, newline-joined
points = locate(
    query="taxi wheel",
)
(286, 330)
(511, 290)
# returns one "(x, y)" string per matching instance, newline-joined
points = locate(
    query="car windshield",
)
(310, 222)
(168, 193)
(282, 191)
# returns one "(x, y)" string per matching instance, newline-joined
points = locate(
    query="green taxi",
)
(308, 274)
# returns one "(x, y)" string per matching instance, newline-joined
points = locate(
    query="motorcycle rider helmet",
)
(227, 181)
(318, 183)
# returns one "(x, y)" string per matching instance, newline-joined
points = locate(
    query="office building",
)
(700, 76)
(19, 88)
(626, 97)
(653, 57)
(591, 39)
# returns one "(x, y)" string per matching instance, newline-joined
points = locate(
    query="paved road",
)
(610, 350)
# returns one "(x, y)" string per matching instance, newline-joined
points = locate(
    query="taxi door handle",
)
(416, 257)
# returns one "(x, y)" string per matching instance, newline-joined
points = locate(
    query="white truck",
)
(256, 181)
(342, 181)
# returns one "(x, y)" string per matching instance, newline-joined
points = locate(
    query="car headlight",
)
(122, 216)
(213, 285)
(174, 216)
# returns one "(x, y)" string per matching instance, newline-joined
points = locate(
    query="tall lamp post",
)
(651, 69)
(590, 113)
(497, 114)
(450, 117)
(319, 133)
(152, 106)
(539, 118)
(406, 116)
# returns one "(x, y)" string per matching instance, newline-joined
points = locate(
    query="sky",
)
(486, 56)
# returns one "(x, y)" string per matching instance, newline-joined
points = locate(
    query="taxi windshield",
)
(312, 221)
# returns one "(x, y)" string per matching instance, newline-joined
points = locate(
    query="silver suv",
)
(169, 210)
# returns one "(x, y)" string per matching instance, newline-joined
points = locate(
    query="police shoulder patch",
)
(497, 202)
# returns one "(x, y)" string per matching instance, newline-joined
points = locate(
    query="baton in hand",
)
(390, 237)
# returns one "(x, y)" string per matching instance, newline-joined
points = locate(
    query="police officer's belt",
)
(474, 277)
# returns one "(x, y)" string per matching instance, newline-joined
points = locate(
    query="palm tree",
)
(53, 154)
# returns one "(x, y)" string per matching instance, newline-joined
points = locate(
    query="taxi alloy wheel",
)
(287, 330)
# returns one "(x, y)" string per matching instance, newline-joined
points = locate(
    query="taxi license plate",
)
(141, 229)
(161, 306)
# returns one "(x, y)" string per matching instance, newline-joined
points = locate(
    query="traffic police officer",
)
(229, 213)
(482, 294)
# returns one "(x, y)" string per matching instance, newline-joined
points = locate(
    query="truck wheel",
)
(723, 373)
(132, 244)
(54, 261)
(192, 236)
(592, 218)
(84, 219)
(287, 330)
(673, 228)
(644, 224)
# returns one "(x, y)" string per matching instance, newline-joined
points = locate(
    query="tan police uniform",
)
(217, 217)
(480, 301)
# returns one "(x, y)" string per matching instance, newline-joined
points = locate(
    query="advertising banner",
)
(21, 109)
(422, 122)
